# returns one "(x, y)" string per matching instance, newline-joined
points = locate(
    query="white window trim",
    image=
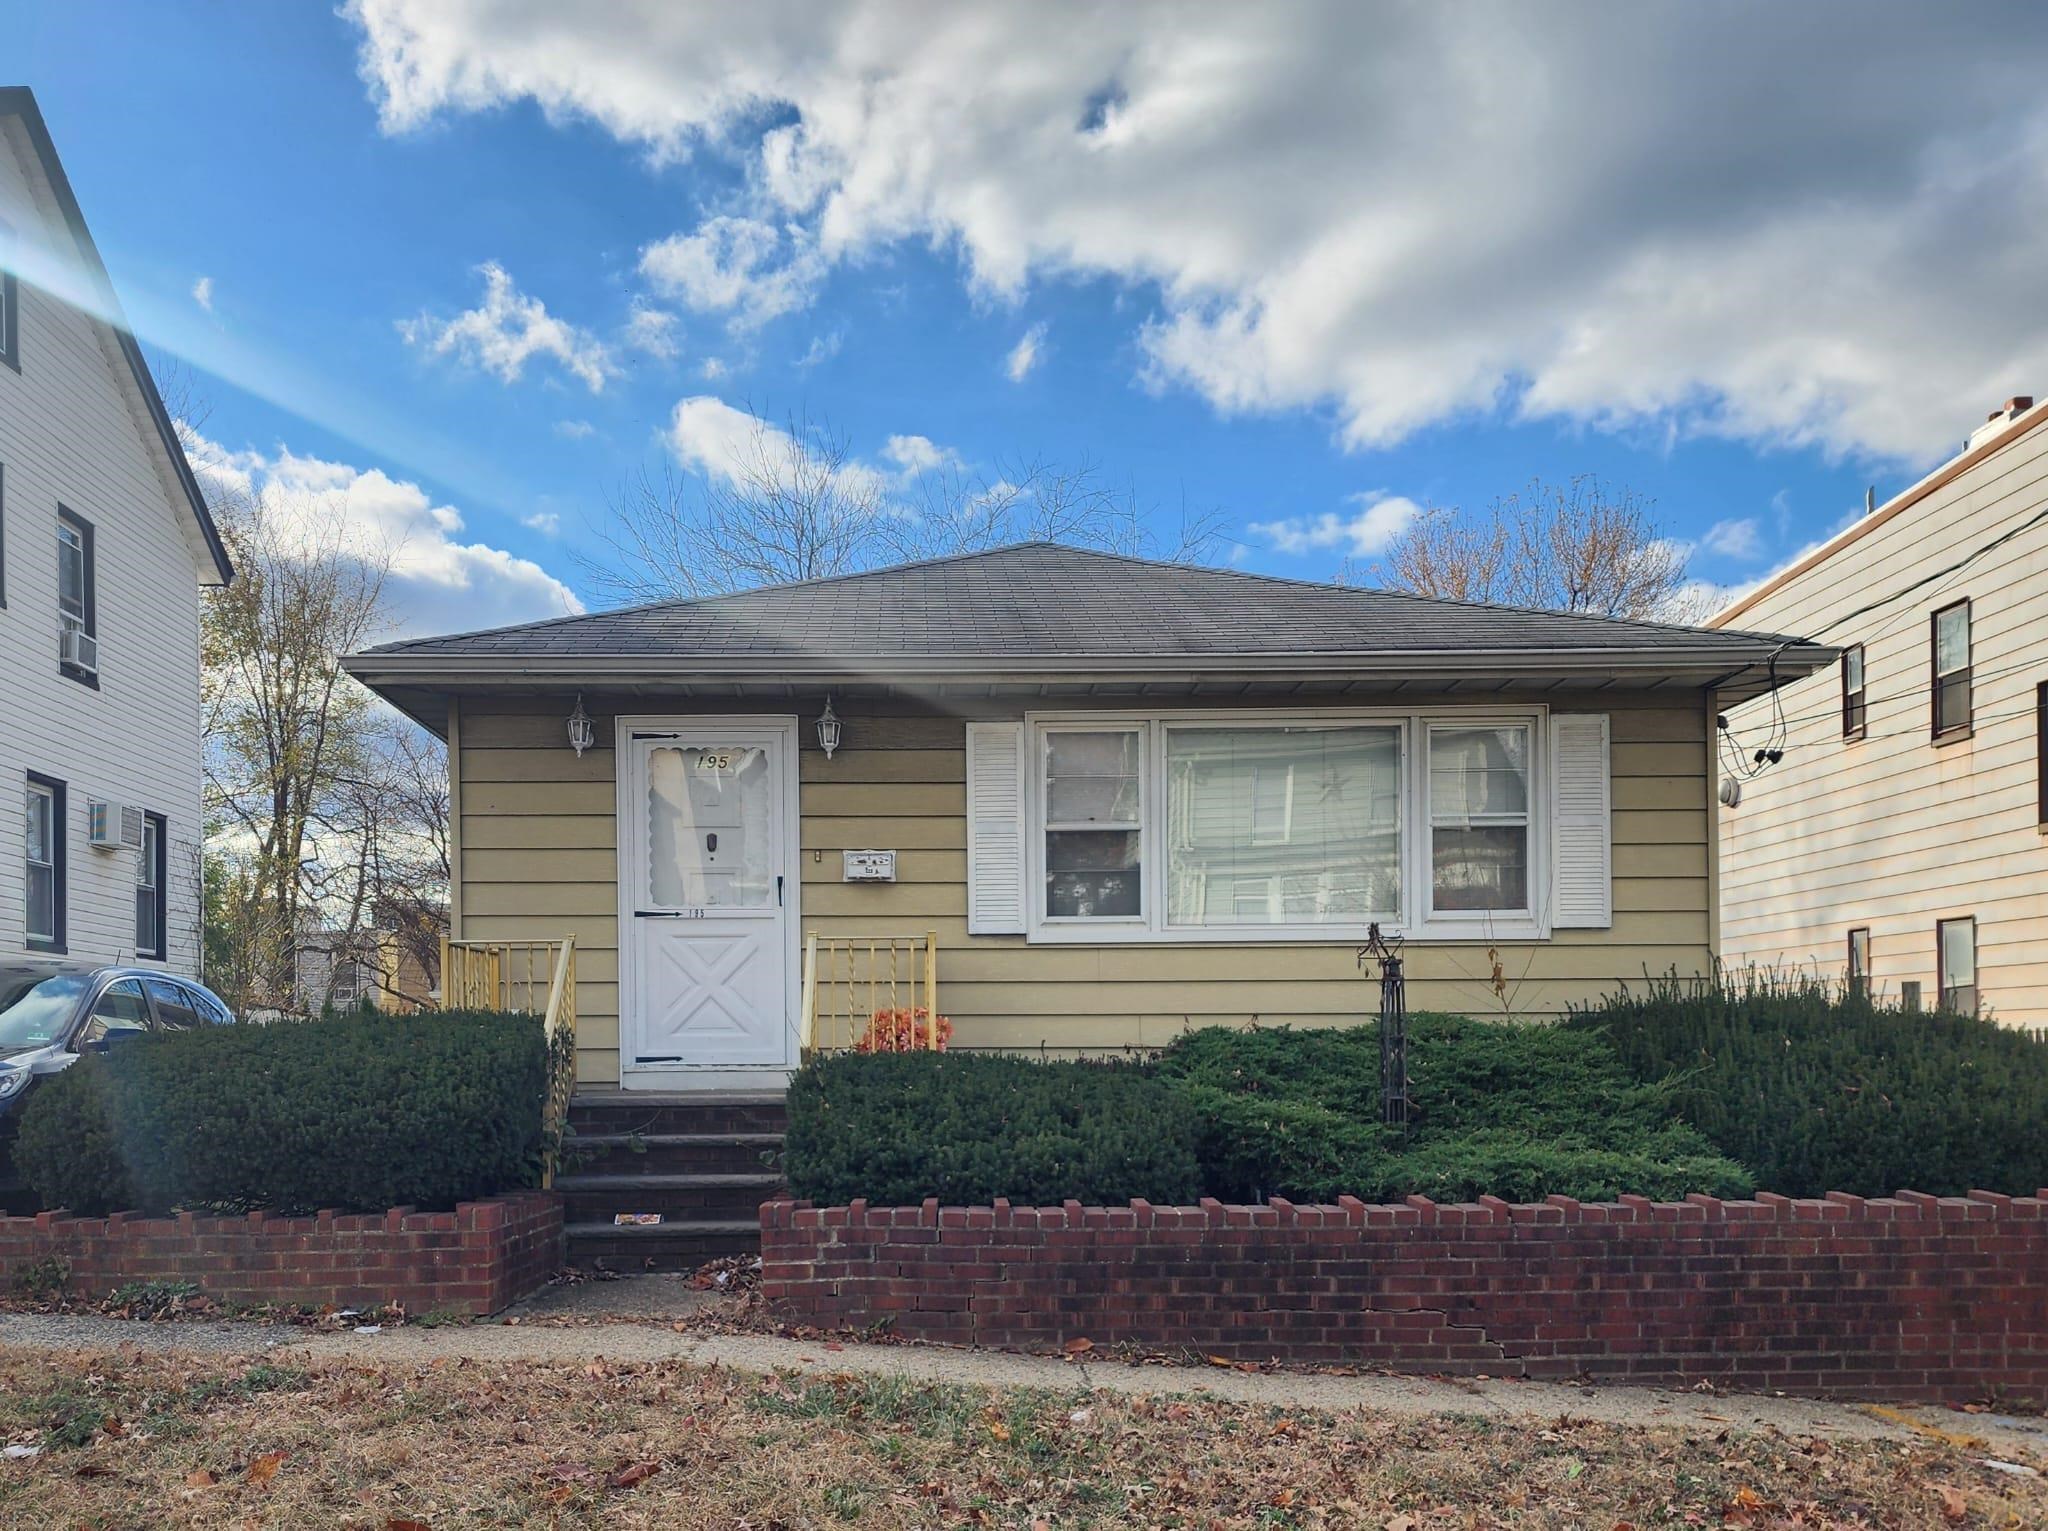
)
(1413, 822)
(1491, 918)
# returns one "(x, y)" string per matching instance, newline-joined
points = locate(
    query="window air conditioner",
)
(80, 649)
(113, 827)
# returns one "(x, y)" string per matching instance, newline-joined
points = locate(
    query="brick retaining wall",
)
(1906, 1297)
(479, 1258)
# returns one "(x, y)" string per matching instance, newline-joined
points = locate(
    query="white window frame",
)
(1416, 922)
(1433, 916)
(1148, 834)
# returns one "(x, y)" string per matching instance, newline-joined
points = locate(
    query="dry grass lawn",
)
(134, 1441)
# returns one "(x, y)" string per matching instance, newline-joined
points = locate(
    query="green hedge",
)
(896, 1128)
(1517, 1111)
(357, 1113)
(1817, 1092)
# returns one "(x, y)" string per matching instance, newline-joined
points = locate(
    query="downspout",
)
(454, 819)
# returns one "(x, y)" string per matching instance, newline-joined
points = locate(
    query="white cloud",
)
(712, 369)
(652, 330)
(202, 293)
(507, 330)
(547, 522)
(436, 583)
(750, 270)
(913, 455)
(1380, 518)
(1674, 220)
(823, 349)
(1026, 354)
(1741, 539)
(575, 430)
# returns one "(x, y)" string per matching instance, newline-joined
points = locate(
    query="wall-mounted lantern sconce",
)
(828, 729)
(582, 732)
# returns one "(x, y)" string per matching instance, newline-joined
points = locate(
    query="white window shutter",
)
(1581, 833)
(995, 829)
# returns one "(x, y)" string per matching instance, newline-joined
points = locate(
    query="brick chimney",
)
(1996, 421)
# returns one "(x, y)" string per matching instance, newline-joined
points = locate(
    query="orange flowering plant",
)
(905, 1031)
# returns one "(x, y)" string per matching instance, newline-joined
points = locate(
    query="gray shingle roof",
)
(1038, 601)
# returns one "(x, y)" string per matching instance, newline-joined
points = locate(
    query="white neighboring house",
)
(104, 543)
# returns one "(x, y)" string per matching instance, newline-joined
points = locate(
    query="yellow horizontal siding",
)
(539, 845)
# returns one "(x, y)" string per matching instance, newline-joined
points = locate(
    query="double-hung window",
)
(44, 857)
(1859, 962)
(1951, 680)
(1956, 949)
(149, 889)
(1855, 710)
(1479, 796)
(1094, 823)
(77, 618)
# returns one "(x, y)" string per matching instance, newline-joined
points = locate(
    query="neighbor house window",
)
(1952, 670)
(44, 852)
(1854, 713)
(149, 889)
(1479, 819)
(1859, 963)
(1956, 942)
(1094, 830)
(10, 308)
(2041, 750)
(77, 616)
(1288, 825)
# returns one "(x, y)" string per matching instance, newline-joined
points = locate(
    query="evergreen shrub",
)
(967, 1128)
(1817, 1091)
(1518, 1111)
(355, 1112)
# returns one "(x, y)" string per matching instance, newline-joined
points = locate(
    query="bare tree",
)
(286, 730)
(1577, 546)
(794, 503)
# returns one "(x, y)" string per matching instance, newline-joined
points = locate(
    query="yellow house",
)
(1084, 800)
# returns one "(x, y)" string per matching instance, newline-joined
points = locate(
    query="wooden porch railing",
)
(872, 994)
(536, 977)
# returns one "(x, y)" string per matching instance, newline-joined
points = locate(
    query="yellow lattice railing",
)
(536, 977)
(872, 994)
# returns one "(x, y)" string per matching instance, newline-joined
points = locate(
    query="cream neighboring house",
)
(104, 543)
(1902, 840)
(1118, 798)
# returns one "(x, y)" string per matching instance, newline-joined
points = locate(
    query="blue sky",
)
(1283, 322)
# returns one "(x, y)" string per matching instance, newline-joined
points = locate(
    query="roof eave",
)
(1706, 661)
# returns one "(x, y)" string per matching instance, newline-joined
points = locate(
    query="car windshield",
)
(35, 1006)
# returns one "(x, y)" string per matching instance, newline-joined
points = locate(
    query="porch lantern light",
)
(828, 729)
(582, 732)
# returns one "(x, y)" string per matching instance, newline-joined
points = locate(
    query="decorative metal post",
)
(1393, 1026)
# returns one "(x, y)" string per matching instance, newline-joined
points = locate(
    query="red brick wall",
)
(1906, 1297)
(477, 1259)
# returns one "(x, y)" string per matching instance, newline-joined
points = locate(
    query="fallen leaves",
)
(1955, 1505)
(633, 1476)
(265, 1467)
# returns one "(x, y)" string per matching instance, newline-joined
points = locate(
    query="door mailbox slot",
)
(868, 866)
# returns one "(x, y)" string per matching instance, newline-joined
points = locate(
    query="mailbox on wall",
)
(868, 866)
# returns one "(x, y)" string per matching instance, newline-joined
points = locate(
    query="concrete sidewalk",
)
(2009, 1437)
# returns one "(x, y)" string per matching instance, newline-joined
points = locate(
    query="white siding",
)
(1894, 831)
(71, 434)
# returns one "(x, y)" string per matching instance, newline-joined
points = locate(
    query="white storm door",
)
(709, 883)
